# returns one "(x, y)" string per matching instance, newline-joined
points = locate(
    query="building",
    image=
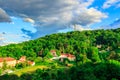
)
(69, 56)
(31, 63)
(11, 62)
(53, 52)
(22, 59)
(8, 61)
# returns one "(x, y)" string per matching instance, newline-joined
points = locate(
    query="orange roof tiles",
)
(6, 59)
(53, 51)
(67, 55)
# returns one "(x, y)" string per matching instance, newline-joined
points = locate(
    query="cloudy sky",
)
(22, 20)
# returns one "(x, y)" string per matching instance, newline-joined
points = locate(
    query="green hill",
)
(71, 42)
(97, 56)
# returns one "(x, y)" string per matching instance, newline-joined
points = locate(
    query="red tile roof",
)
(67, 55)
(53, 51)
(23, 58)
(6, 59)
(31, 63)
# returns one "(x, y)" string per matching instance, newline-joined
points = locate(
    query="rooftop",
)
(6, 59)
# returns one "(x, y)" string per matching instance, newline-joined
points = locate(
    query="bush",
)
(21, 65)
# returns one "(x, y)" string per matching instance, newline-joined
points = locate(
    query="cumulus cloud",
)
(88, 16)
(80, 28)
(4, 16)
(50, 16)
(110, 3)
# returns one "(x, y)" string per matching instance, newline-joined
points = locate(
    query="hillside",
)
(97, 53)
(71, 42)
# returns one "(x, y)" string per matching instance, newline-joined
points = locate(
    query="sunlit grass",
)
(28, 69)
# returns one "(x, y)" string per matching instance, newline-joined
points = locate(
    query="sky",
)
(23, 20)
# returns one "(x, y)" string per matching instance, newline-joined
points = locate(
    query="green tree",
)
(93, 54)
(4, 66)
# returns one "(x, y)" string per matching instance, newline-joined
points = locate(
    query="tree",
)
(93, 54)
(4, 66)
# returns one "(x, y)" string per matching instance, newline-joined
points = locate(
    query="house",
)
(67, 55)
(8, 61)
(23, 59)
(64, 55)
(71, 57)
(11, 62)
(31, 63)
(53, 52)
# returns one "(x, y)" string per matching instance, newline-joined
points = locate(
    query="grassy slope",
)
(28, 69)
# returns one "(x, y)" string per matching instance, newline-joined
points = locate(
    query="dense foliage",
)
(97, 55)
(71, 42)
(103, 71)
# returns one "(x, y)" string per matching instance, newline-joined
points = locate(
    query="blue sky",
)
(19, 21)
(11, 32)
(112, 12)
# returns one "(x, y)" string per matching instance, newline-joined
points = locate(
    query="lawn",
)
(28, 69)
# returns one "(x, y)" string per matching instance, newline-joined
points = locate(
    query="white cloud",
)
(4, 16)
(80, 28)
(88, 16)
(110, 3)
(53, 15)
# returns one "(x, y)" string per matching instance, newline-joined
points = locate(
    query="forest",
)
(97, 55)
